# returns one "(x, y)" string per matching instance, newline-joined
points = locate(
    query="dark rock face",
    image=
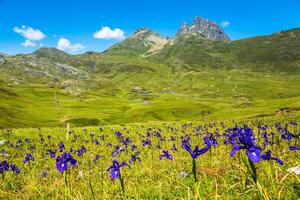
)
(207, 28)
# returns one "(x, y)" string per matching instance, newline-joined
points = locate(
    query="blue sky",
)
(26, 25)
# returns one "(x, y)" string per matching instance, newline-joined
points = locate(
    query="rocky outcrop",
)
(184, 29)
(32, 65)
(2, 58)
(207, 28)
(143, 42)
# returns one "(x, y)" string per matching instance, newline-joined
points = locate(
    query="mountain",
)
(197, 75)
(51, 53)
(206, 28)
(276, 52)
(143, 42)
(46, 65)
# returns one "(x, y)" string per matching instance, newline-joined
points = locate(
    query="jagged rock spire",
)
(184, 29)
(207, 28)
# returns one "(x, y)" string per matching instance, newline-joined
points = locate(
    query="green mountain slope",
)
(147, 78)
(52, 54)
(142, 42)
(279, 52)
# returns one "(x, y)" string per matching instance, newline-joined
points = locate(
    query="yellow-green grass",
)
(219, 175)
(178, 96)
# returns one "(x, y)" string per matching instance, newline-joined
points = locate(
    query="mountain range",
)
(199, 74)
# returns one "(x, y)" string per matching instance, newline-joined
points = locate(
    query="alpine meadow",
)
(194, 113)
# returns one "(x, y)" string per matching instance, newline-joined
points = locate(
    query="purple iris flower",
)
(61, 146)
(32, 148)
(148, 134)
(96, 142)
(165, 154)
(5, 166)
(286, 135)
(294, 148)
(92, 134)
(14, 168)
(210, 141)
(81, 151)
(267, 156)
(97, 157)
(115, 169)
(146, 142)
(254, 154)
(266, 139)
(126, 142)
(118, 134)
(174, 148)
(133, 147)
(194, 153)
(28, 157)
(19, 143)
(51, 153)
(63, 161)
(109, 145)
(135, 157)
(243, 138)
(117, 151)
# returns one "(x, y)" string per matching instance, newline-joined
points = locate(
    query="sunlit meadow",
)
(217, 160)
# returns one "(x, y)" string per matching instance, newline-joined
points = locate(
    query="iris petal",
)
(254, 154)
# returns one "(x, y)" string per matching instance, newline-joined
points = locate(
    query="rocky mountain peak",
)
(143, 30)
(143, 33)
(209, 29)
(143, 41)
(184, 29)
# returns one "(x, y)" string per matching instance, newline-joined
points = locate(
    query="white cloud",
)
(225, 24)
(30, 33)
(66, 45)
(107, 33)
(28, 43)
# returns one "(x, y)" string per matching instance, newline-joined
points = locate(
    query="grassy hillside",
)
(150, 96)
(188, 79)
(277, 52)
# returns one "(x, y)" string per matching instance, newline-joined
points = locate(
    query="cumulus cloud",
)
(66, 45)
(225, 24)
(30, 33)
(107, 33)
(28, 43)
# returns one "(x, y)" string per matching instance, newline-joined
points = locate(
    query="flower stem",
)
(253, 169)
(194, 170)
(65, 177)
(122, 183)
(91, 187)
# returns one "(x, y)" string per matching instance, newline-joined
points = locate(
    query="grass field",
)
(181, 95)
(219, 176)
